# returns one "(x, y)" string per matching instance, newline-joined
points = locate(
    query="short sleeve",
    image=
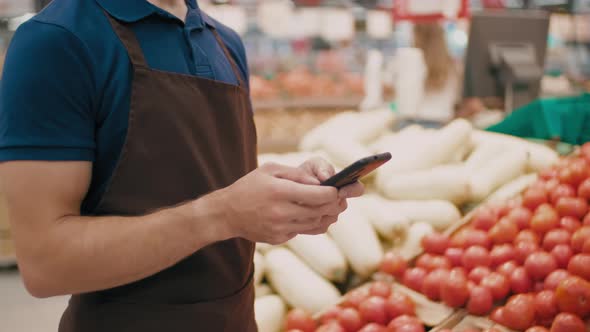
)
(46, 96)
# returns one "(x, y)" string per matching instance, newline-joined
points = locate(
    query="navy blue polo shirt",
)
(66, 86)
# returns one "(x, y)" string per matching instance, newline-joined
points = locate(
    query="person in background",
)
(441, 87)
(128, 162)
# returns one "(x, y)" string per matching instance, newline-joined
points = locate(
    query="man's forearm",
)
(83, 254)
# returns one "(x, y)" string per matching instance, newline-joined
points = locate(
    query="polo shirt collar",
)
(135, 10)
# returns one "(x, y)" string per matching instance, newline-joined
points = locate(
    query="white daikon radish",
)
(390, 142)
(263, 247)
(322, 254)
(439, 214)
(506, 167)
(445, 143)
(513, 188)
(357, 239)
(358, 127)
(344, 152)
(258, 267)
(388, 224)
(412, 246)
(297, 283)
(270, 312)
(482, 155)
(540, 157)
(447, 183)
(262, 290)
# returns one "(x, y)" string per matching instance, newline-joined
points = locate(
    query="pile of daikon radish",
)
(431, 175)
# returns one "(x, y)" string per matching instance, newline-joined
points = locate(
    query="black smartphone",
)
(356, 171)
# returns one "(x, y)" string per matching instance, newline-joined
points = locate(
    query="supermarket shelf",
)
(319, 103)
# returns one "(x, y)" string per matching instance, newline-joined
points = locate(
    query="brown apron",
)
(187, 137)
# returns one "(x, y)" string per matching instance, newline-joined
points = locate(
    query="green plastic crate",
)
(552, 119)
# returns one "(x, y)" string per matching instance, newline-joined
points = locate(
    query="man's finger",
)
(296, 175)
(322, 227)
(351, 191)
(308, 195)
(319, 167)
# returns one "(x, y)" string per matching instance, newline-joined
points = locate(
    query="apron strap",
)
(129, 40)
(230, 58)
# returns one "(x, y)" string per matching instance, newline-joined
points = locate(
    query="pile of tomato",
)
(374, 308)
(531, 253)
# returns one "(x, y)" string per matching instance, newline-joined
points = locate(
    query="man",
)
(128, 156)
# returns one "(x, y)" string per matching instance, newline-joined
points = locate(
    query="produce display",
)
(411, 226)
(531, 253)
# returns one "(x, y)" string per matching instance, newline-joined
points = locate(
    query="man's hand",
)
(275, 203)
(322, 170)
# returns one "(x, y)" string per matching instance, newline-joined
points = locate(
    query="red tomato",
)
(476, 237)
(432, 284)
(579, 266)
(539, 264)
(555, 237)
(548, 174)
(527, 236)
(350, 320)
(454, 255)
(476, 256)
(435, 243)
(566, 322)
(374, 310)
(480, 301)
(478, 273)
(372, 327)
(406, 324)
(570, 224)
(400, 304)
(572, 207)
(453, 290)
(520, 282)
(501, 254)
(504, 231)
(331, 327)
(546, 305)
(432, 262)
(573, 295)
(586, 221)
(537, 329)
(533, 198)
(524, 250)
(393, 264)
(584, 190)
(563, 190)
(355, 297)
(380, 288)
(521, 217)
(579, 171)
(555, 278)
(551, 184)
(330, 314)
(484, 218)
(579, 237)
(544, 219)
(414, 278)
(507, 268)
(497, 316)
(585, 151)
(566, 175)
(299, 319)
(586, 247)
(497, 284)
(562, 254)
(519, 312)
(458, 239)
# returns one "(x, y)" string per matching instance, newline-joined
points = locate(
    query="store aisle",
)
(19, 312)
